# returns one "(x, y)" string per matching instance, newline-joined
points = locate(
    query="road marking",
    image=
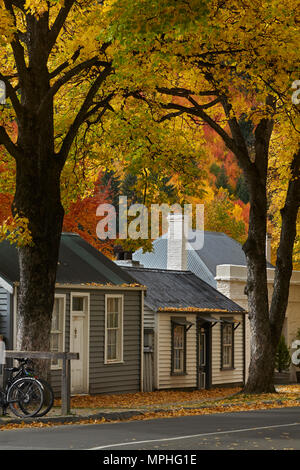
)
(193, 435)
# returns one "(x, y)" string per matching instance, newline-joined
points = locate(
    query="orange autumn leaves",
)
(170, 404)
(80, 216)
(136, 400)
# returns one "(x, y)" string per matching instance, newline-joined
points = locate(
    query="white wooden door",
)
(78, 344)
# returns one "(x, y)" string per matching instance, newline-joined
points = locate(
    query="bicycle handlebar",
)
(23, 360)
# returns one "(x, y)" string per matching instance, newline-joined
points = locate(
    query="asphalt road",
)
(276, 429)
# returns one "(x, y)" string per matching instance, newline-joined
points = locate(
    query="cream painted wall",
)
(163, 378)
(231, 281)
(233, 375)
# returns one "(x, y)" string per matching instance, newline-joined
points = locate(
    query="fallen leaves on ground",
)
(180, 403)
(293, 388)
(134, 400)
(217, 408)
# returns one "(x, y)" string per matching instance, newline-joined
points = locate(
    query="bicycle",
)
(24, 396)
(24, 370)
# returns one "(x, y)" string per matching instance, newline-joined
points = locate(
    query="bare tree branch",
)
(65, 64)
(58, 23)
(170, 116)
(284, 266)
(105, 104)
(12, 95)
(242, 152)
(211, 104)
(199, 112)
(17, 47)
(87, 64)
(83, 113)
(8, 143)
(185, 92)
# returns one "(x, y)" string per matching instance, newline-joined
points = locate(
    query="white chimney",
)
(268, 247)
(177, 241)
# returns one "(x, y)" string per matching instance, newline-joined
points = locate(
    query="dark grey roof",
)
(79, 262)
(218, 248)
(180, 289)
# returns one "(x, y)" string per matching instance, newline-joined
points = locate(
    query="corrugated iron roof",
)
(79, 262)
(168, 289)
(218, 248)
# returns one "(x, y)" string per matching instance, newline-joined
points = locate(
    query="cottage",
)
(221, 262)
(97, 312)
(194, 335)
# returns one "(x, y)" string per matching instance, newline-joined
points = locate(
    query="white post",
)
(2, 360)
(268, 247)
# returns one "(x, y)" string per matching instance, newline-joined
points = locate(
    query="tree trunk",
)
(266, 322)
(263, 347)
(38, 198)
(37, 195)
(38, 162)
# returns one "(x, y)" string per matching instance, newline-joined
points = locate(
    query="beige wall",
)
(163, 379)
(227, 376)
(162, 362)
(231, 281)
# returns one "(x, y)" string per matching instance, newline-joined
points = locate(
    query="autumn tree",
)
(63, 93)
(81, 216)
(234, 73)
(49, 50)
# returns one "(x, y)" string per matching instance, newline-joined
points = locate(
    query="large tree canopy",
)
(234, 72)
(129, 85)
(64, 92)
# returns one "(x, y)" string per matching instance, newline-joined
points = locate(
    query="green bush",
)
(283, 358)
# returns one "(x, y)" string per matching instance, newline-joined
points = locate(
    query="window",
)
(202, 347)
(57, 330)
(114, 329)
(77, 304)
(178, 350)
(227, 345)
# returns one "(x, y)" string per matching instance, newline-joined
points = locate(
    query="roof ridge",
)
(140, 268)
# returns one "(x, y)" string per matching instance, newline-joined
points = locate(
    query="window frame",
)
(175, 322)
(229, 323)
(118, 360)
(62, 301)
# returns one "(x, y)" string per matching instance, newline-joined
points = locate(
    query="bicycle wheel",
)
(25, 397)
(48, 398)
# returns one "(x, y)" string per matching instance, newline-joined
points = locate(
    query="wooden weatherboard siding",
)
(56, 373)
(5, 316)
(230, 376)
(108, 378)
(163, 378)
(115, 377)
(103, 378)
(149, 318)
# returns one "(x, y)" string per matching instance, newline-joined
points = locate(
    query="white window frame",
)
(63, 297)
(202, 336)
(121, 336)
(229, 332)
(181, 350)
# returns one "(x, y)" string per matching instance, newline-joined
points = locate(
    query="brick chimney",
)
(177, 241)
